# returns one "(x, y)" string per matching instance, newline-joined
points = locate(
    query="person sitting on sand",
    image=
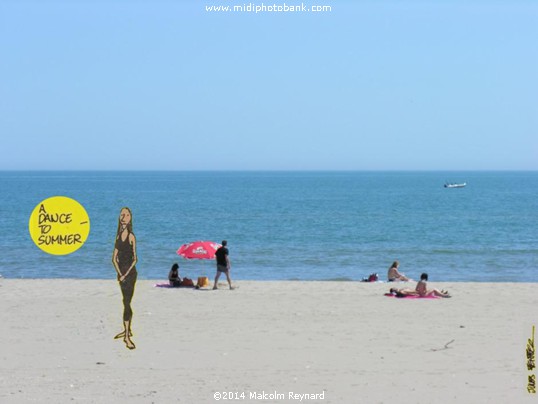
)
(393, 274)
(173, 276)
(421, 290)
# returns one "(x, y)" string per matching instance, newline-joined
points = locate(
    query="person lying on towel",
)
(421, 290)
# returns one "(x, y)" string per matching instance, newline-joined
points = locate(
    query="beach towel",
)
(167, 285)
(412, 296)
(162, 285)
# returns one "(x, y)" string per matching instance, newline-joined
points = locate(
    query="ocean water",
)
(287, 225)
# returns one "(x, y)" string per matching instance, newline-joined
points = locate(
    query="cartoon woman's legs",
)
(127, 291)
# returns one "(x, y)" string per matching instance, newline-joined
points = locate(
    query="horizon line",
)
(269, 170)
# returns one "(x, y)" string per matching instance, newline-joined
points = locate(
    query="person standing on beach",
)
(124, 260)
(223, 264)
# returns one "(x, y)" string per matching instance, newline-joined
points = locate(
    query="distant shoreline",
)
(284, 171)
(390, 284)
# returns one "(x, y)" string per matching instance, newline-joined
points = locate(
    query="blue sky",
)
(370, 85)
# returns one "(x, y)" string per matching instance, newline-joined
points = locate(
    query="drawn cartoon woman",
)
(124, 260)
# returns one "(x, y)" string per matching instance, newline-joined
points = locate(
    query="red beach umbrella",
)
(204, 250)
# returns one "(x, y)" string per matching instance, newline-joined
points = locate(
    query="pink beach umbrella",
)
(204, 250)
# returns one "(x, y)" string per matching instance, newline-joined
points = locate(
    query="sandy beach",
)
(323, 342)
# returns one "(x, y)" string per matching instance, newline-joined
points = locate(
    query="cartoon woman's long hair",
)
(129, 225)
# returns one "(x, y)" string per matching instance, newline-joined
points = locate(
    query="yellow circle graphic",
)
(59, 225)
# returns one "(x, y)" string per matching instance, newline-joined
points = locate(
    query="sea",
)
(288, 226)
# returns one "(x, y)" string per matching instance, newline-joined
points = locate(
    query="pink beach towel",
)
(412, 296)
(162, 285)
(167, 285)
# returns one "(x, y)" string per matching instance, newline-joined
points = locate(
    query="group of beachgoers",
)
(223, 267)
(124, 260)
(420, 290)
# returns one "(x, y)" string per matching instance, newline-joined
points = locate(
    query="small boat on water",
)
(455, 185)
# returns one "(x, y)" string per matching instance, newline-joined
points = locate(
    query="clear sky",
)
(369, 85)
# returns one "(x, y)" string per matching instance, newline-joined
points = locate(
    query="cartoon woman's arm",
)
(115, 261)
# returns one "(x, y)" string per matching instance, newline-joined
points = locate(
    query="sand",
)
(343, 341)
